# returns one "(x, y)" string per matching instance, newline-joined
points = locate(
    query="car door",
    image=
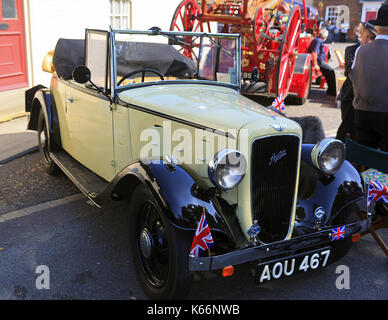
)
(90, 112)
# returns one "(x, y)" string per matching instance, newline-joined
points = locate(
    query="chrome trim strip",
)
(172, 118)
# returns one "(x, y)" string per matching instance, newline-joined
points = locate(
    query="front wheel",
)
(160, 252)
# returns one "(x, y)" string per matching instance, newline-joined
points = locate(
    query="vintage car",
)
(129, 118)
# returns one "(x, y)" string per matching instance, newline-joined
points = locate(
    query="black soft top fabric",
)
(131, 56)
(164, 58)
(68, 54)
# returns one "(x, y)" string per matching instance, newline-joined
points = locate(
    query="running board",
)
(87, 181)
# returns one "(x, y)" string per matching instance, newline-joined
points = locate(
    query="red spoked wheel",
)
(186, 18)
(258, 23)
(287, 52)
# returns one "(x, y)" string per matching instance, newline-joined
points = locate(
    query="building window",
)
(332, 13)
(337, 14)
(120, 14)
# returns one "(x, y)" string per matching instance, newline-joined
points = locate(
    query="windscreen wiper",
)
(157, 31)
(217, 44)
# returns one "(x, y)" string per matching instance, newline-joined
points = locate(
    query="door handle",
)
(71, 99)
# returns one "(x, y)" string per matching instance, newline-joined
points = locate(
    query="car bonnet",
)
(211, 106)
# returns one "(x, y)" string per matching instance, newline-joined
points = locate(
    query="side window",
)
(96, 56)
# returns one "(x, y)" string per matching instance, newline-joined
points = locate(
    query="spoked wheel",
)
(258, 23)
(43, 142)
(186, 18)
(160, 252)
(287, 52)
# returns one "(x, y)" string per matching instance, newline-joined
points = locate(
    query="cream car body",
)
(158, 142)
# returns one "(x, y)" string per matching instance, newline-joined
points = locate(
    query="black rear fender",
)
(40, 98)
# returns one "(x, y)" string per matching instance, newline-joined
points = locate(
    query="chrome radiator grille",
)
(274, 162)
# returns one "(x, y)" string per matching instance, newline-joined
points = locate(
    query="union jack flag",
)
(377, 192)
(203, 239)
(338, 233)
(278, 103)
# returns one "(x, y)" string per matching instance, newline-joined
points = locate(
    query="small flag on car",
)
(278, 103)
(377, 192)
(203, 239)
(338, 233)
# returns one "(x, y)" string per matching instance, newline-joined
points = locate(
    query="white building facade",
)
(40, 23)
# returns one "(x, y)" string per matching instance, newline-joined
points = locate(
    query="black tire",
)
(43, 142)
(340, 248)
(162, 265)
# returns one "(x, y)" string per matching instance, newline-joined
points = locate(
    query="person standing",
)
(336, 34)
(316, 48)
(344, 31)
(366, 33)
(370, 85)
(330, 27)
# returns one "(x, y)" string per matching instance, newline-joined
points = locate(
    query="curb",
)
(12, 116)
(19, 155)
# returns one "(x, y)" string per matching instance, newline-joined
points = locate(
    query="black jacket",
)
(346, 93)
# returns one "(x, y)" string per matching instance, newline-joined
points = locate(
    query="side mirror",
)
(81, 74)
(254, 74)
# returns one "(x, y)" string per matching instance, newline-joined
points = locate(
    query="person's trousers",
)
(347, 125)
(329, 74)
(371, 129)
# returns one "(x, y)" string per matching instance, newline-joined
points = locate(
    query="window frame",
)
(107, 86)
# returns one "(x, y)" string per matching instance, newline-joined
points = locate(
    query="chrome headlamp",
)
(328, 155)
(227, 169)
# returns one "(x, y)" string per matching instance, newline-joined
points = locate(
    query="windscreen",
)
(172, 56)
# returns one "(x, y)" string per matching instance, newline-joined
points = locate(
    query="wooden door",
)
(13, 73)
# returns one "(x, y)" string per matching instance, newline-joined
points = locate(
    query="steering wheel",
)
(142, 71)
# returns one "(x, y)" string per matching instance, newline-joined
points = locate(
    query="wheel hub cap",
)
(145, 243)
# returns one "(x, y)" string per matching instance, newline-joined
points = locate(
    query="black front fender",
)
(181, 194)
(330, 194)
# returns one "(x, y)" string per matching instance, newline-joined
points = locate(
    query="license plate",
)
(288, 266)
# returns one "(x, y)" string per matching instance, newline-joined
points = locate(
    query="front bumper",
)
(283, 248)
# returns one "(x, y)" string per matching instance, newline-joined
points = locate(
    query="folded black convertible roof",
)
(131, 56)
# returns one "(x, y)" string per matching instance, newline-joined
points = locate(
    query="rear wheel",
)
(160, 252)
(43, 143)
